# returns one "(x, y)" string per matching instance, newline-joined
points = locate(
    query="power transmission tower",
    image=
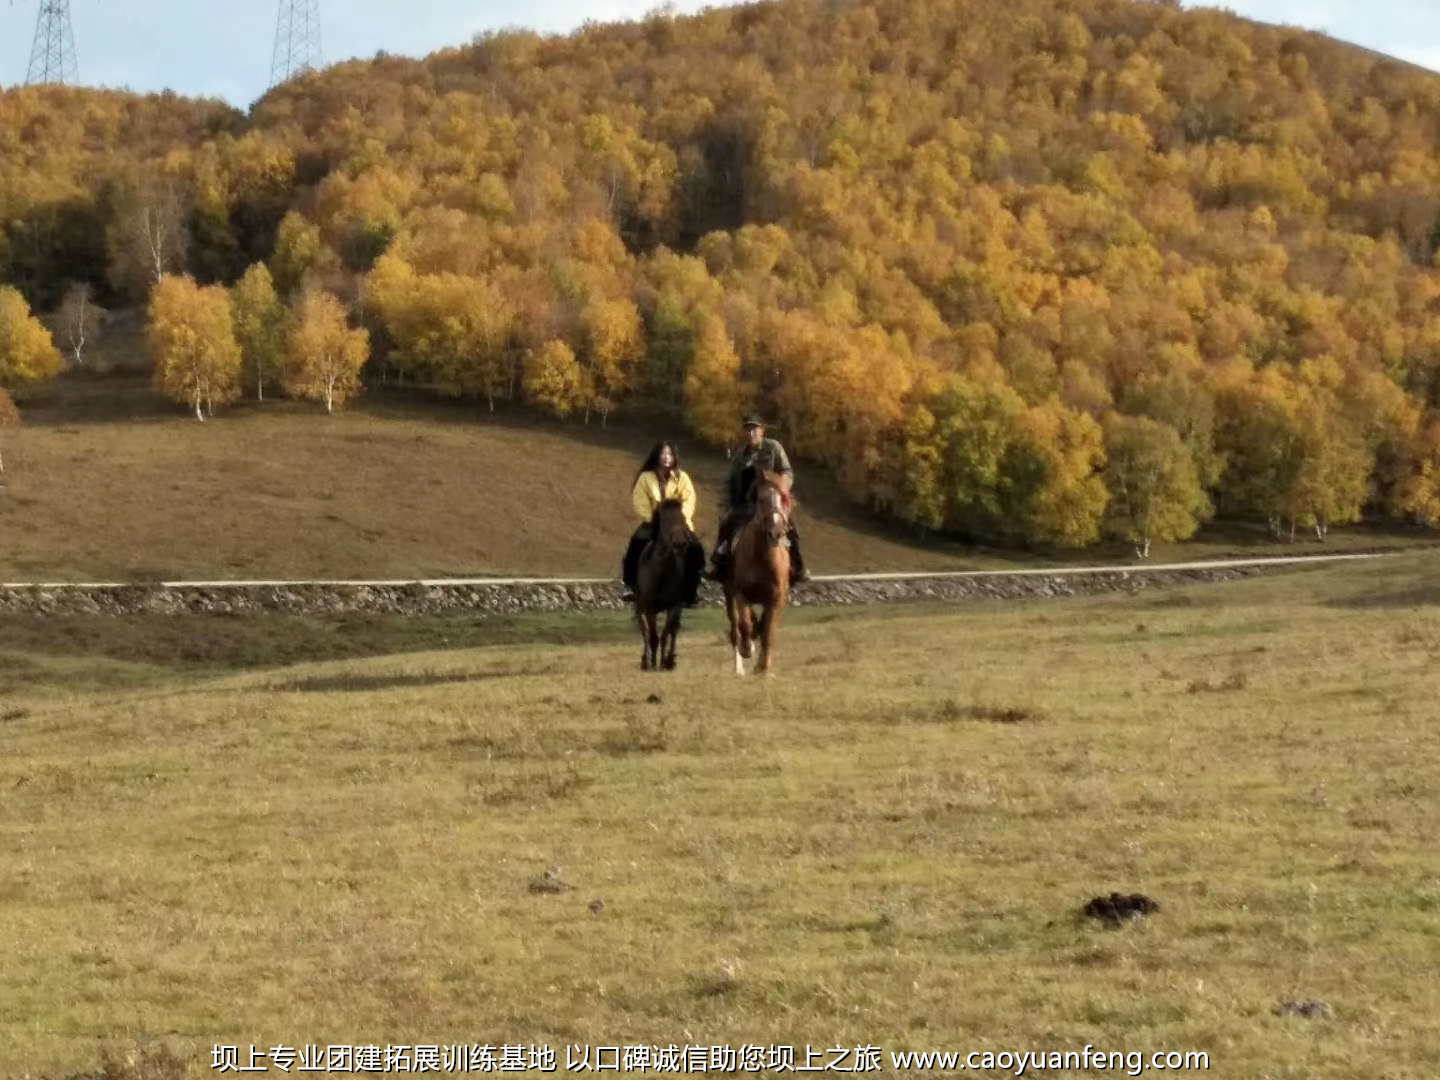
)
(297, 40)
(52, 58)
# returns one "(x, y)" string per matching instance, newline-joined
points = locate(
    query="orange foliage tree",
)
(325, 354)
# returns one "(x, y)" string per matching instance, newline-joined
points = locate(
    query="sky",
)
(223, 48)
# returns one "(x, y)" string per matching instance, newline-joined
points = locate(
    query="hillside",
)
(105, 483)
(1030, 272)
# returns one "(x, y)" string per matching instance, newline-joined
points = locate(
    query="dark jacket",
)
(769, 455)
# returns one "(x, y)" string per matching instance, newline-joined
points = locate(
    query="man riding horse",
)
(759, 454)
(661, 478)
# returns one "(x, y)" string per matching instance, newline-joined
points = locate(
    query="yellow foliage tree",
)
(715, 393)
(553, 379)
(615, 350)
(467, 347)
(1336, 462)
(451, 330)
(192, 337)
(1062, 495)
(1418, 490)
(326, 355)
(27, 351)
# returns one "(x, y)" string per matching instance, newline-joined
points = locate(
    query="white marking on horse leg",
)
(739, 663)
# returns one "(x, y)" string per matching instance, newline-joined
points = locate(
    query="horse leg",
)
(762, 630)
(767, 634)
(733, 609)
(667, 640)
(653, 644)
(647, 636)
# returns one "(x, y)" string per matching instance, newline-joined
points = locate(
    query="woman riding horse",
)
(660, 587)
(661, 478)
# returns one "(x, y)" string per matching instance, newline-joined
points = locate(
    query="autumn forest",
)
(1032, 272)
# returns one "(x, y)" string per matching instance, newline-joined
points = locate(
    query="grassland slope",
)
(887, 844)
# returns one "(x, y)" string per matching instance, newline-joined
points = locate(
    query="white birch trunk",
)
(77, 338)
(155, 237)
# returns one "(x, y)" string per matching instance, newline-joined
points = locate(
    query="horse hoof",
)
(668, 663)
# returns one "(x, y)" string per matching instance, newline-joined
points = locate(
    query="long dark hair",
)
(652, 459)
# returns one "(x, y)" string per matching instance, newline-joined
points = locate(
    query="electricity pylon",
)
(297, 40)
(52, 58)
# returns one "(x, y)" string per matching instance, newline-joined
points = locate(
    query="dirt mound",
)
(1115, 909)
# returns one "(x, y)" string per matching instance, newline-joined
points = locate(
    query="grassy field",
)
(888, 843)
(109, 482)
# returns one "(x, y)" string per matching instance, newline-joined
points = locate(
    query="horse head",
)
(669, 523)
(773, 503)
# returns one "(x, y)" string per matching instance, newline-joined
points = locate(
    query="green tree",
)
(1155, 491)
(260, 328)
(299, 251)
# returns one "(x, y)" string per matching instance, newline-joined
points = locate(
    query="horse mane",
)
(669, 521)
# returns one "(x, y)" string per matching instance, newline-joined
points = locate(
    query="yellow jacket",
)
(647, 495)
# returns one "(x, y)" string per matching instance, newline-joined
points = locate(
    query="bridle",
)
(772, 511)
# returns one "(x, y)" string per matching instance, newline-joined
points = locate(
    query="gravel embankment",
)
(433, 598)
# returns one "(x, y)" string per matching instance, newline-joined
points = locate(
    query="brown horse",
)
(760, 572)
(660, 586)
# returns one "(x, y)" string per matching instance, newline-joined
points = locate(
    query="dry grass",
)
(109, 482)
(888, 843)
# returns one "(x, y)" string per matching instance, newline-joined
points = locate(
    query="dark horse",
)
(660, 585)
(759, 572)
